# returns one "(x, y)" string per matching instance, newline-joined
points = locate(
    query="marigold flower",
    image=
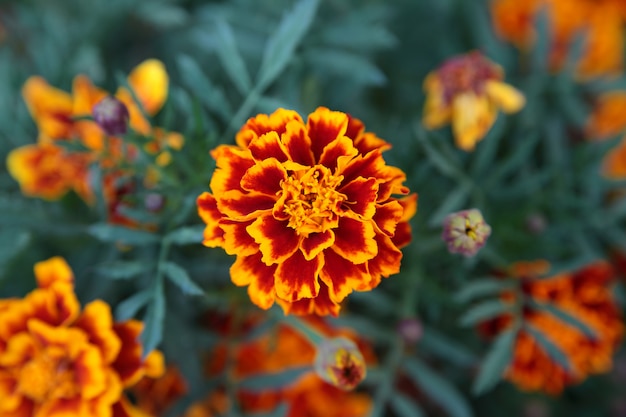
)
(308, 209)
(608, 119)
(48, 171)
(601, 22)
(467, 91)
(156, 395)
(465, 232)
(55, 359)
(583, 294)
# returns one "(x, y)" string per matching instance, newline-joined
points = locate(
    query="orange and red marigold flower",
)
(48, 170)
(584, 295)
(56, 360)
(308, 209)
(467, 91)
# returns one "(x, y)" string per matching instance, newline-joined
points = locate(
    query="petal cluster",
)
(467, 91)
(585, 295)
(600, 22)
(49, 170)
(58, 360)
(308, 208)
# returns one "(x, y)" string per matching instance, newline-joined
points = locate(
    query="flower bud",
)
(465, 232)
(339, 362)
(111, 115)
(411, 330)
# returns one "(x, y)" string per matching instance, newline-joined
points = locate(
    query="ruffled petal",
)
(268, 146)
(388, 216)
(315, 243)
(385, 263)
(325, 126)
(237, 240)
(361, 196)
(208, 212)
(232, 164)
(277, 242)
(296, 278)
(265, 177)
(354, 240)
(321, 305)
(262, 123)
(472, 118)
(244, 206)
(298, 144)
(97, 322)
(342, 276)
(50, 108)
(251, 271)
(340, 148)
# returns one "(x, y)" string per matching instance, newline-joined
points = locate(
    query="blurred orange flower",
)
(48, 170)
(607, 120)
(584, 295)
(278, 351)
(154, 396)
(308, 210)
(601, 22)
(468, 91)
(58, 360)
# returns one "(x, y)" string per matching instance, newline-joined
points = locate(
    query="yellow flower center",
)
(48, 375)
(348, 370)
(470, 231)
(311, 200)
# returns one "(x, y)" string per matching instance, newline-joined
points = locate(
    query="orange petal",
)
(354, 240)
(297, 278)
(53, 270)
(232, 164)
(268, 146)
(315, 243)
(388, 216)
(50, 107)
(385, 263)
(250, 270)
(276, 240)
(321, 305)
(342, 147)
(325, 126)
(239, 206)
(265, 177)
(298, 144)
(208, 212)
(97, 322)
(262, 123)
(342, 276)
(361, 196)
(85, 95)
(149, 81)
(237, 240)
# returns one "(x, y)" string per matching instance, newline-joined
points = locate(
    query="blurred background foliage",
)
(535, 179)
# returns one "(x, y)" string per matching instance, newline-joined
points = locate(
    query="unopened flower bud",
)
(339, 362)
(465, 232)
(411, 330)
(154, 202)
(111, 115)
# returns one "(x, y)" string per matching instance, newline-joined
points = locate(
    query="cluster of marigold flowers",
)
(94, 121)
(59, 359)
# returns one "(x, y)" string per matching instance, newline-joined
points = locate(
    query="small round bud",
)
(111, 115)
(154, 202)
(411, 330)
(465, 232)
(339, 362)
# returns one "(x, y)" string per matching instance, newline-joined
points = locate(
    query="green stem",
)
(245, 108)
(307, 331)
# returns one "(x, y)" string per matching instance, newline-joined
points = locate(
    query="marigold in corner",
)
(583, 294)
(308, 209)
(58, 360)
(467, 91)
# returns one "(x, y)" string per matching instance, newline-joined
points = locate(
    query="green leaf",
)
(486, 150)
(284, 41)
(153, 320)
(484, 311)
(122, 269)
(186, 235)
(343, 63)
(230, 57)
(273, 381)
(180, 278)
(404, 406)
(454, 201)
(555, 353)
(495, 362)
(437, 388)
(481, 287)
(128, 308)
(111, 233)
(567, 318)
(445, 348)
(161, 15)
(195, 80)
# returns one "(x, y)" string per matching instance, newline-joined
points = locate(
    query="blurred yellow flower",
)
(58, 360)
(468, 91)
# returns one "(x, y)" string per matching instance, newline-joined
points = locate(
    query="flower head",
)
(308, 208)
(583, 294)
(111, 115)
(55, 358)
(339, 362)
(467, 91)
(465, 232)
